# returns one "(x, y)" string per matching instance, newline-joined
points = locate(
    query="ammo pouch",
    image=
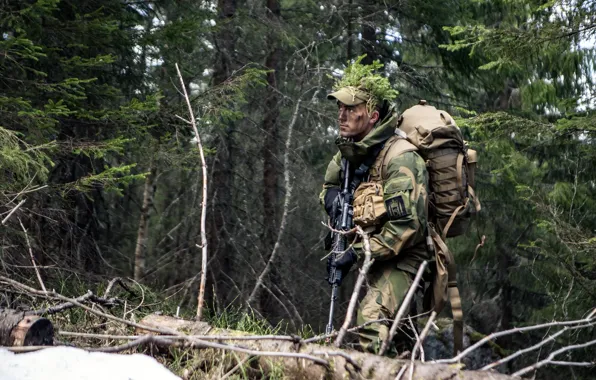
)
(369, 206)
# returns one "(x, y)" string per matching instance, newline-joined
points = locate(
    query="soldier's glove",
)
(342, 266)
(331, 197)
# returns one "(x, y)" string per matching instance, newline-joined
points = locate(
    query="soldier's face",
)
(354, 121)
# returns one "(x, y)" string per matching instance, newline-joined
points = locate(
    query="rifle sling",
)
(362, 171)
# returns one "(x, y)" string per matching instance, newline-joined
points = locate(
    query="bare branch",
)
(525, 350)
(354, 329)
(288, 338)
(13, 211)
(549, 359)
(361, 277)
(348, 358)
(193, 123)
(588, 321)
(43, 287)
(54, 295)
(402, 370)
(286, 207)
(573, 364)
(192, 343)
(403, 307)
(144, 340)
(114, 281)
(183, 119)
(240, 364)
(423, 335)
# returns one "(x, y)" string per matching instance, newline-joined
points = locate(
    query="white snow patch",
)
(69, 363)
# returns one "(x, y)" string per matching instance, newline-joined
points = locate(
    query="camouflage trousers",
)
(387, 288)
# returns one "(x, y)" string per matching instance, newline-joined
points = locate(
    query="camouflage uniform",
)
(398, 242)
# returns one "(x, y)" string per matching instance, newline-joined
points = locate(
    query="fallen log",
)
(342, 363)
(19, 329)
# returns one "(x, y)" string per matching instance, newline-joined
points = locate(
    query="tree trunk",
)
(221, 164)
(370, 366)
(269, 149)
(141, 248)
(18, 329)
(504, 262)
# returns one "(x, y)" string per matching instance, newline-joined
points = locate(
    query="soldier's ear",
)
(374, 116)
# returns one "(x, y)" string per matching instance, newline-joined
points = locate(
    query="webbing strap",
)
(442, 176)
(456, 309)
(460, 177)
(443, 187)
(442, 152)
(443, 162)
(453, 292)
(473, 196)
(450, 198)
(458, 320)
(451, 219)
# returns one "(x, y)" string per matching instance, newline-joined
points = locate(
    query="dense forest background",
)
(107, 178)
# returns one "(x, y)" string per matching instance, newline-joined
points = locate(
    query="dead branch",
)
(403, 307)
(89, 296)
(321, 337)
(549, 359)
(13, 211)
(419, 341)
(193, 123)
(54, 295)
(361, 277)
(573, 364)
(114, 281)
(236, 367)
(43, 287)
(401, 372)
(423, 335)
(142, 341)
(525, 350)
(588, 321)
(284, 216)
(294, 339)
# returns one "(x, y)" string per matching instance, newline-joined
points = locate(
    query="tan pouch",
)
(369, 207)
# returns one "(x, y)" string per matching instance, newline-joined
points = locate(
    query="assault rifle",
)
(342, 220)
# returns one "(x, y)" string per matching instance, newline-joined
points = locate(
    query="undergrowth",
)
(138, 301)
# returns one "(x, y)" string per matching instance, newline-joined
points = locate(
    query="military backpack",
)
(452, 200)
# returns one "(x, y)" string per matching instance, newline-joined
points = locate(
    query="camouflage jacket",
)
(400, 236)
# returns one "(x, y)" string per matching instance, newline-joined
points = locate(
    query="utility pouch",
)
(369, 206)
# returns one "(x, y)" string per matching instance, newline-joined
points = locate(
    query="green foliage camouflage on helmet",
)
(364, 77)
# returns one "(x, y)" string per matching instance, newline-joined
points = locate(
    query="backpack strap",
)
(447, 261)
(394, 146)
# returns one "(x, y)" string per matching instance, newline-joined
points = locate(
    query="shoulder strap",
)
(394, 146)
(360, 173)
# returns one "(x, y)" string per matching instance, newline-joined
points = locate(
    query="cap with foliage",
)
(364, 77)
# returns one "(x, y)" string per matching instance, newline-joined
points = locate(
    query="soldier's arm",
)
(332, 182)
(404, 193)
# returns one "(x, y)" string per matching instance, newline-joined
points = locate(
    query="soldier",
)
(390, 203)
